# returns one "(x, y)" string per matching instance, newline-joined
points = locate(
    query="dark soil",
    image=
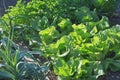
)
(4, 4)
(115, 18)
(113, 75)
(110, 76)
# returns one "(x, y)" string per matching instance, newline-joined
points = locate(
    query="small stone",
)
(117, 77)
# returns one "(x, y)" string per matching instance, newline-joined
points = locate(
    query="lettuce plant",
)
(85, 52)
(69, 32)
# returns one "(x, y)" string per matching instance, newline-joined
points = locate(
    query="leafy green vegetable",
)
(92, 44)
(74, 34)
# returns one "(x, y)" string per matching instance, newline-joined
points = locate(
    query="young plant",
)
(14, 65)
(85, 52)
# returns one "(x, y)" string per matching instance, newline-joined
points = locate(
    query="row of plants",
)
(16, 64)
(74, 35)
(37, 15)
(86, 52)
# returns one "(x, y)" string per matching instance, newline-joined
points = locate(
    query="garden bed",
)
(56, 39)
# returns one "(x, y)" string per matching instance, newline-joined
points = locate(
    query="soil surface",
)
(115, 19)
(4, 4)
